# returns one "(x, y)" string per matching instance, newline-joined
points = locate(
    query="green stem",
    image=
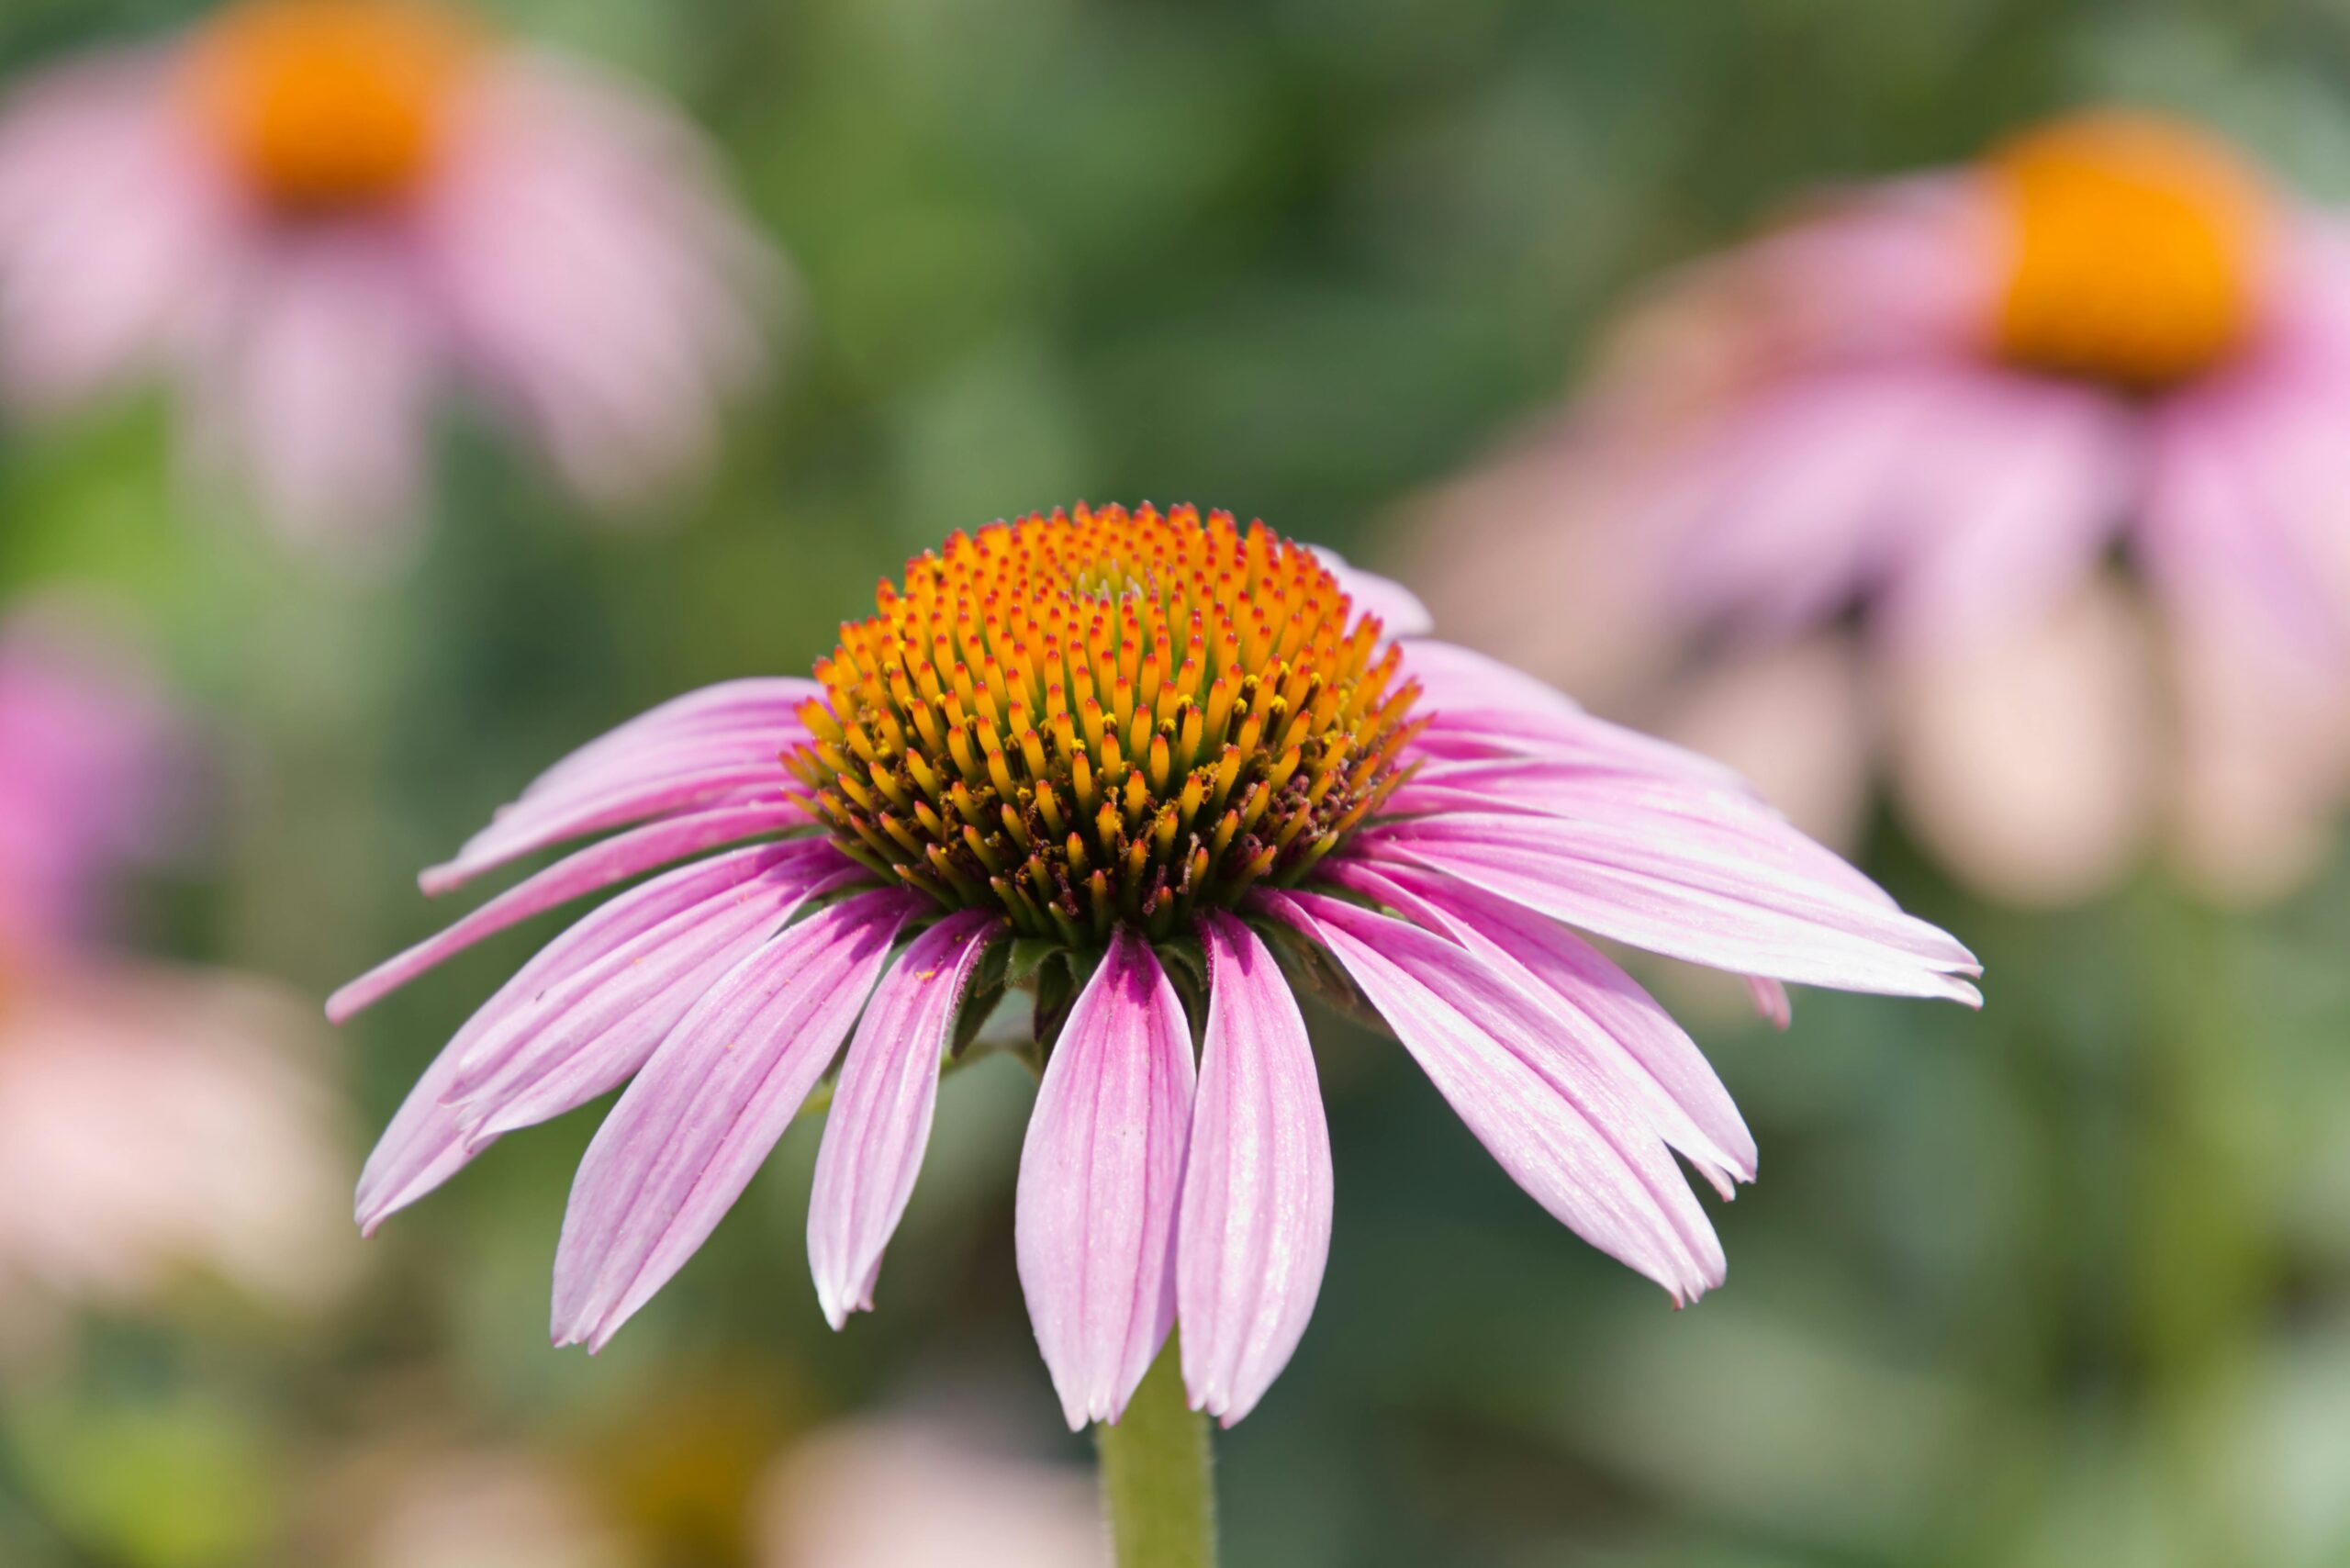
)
(1155, 1482)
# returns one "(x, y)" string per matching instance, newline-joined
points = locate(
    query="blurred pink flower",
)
(311, 214)
(1945, 400)
(83, 743)
(150, 1119)
(1125, 759)
(910, 1493)
(154, 1121)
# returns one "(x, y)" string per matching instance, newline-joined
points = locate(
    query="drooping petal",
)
(596, 279)
(878, 1125)
(1611, 1030)
(1670, 808)
(1692, 894)
(1796, 500)
(1255, 1227)
(597, 866)
(2221, 545)
(422, 1148)
(527, 826)
(1480, 708)
(690, 1132)
(1584, 1155)
(2012, 505)
(718, 745)
(1100, 1175)
(593, 1030)
(321, 369)
(754, 705)
(425, 1145)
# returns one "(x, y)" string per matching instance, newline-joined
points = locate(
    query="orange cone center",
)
(2137, 250)
(331, 105)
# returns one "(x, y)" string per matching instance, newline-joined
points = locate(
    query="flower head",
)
(1124, 718)
(1137, 762)
(312, 213)
(149, 1118)
(1942, 401)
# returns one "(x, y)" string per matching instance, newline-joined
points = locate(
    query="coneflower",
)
(1157, 771)
(2056, 432)
(313, 215)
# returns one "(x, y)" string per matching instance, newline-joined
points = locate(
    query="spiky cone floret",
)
(1159, 769)
(1102, 718)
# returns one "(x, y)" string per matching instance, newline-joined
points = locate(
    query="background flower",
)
(317, 216)
(1944, 399)
(153, 1120)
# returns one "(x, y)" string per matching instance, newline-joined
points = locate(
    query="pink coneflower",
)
(152, 1120)
(312, 214)
(1158, 770)
(1945, 400)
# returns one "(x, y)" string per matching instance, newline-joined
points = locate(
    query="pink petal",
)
(1586, 1158)
(1100, 1180)
(1255, 1227)
(1694, 808)
(527, 826)
(2010, 504)
(878, 1125)
(695, 1126)
(1480, 708)
(1799, 505)
(2240, 533)
(750, 703)
(1452, 677)
(600, 866)
(1771, 1000)
(595, 1028)
(1611, 1032)
(113, 227)
(422, 1148)
(1689, 893)
(716, 731)
(1908, 268)
(596, 278)
(424, 1145)
(320, 370)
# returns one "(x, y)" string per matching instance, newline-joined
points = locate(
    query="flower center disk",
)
(1105, 718)
(2137, 250)
(331, 106)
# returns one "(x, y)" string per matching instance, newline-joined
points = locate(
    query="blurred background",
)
(2066, 1283)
